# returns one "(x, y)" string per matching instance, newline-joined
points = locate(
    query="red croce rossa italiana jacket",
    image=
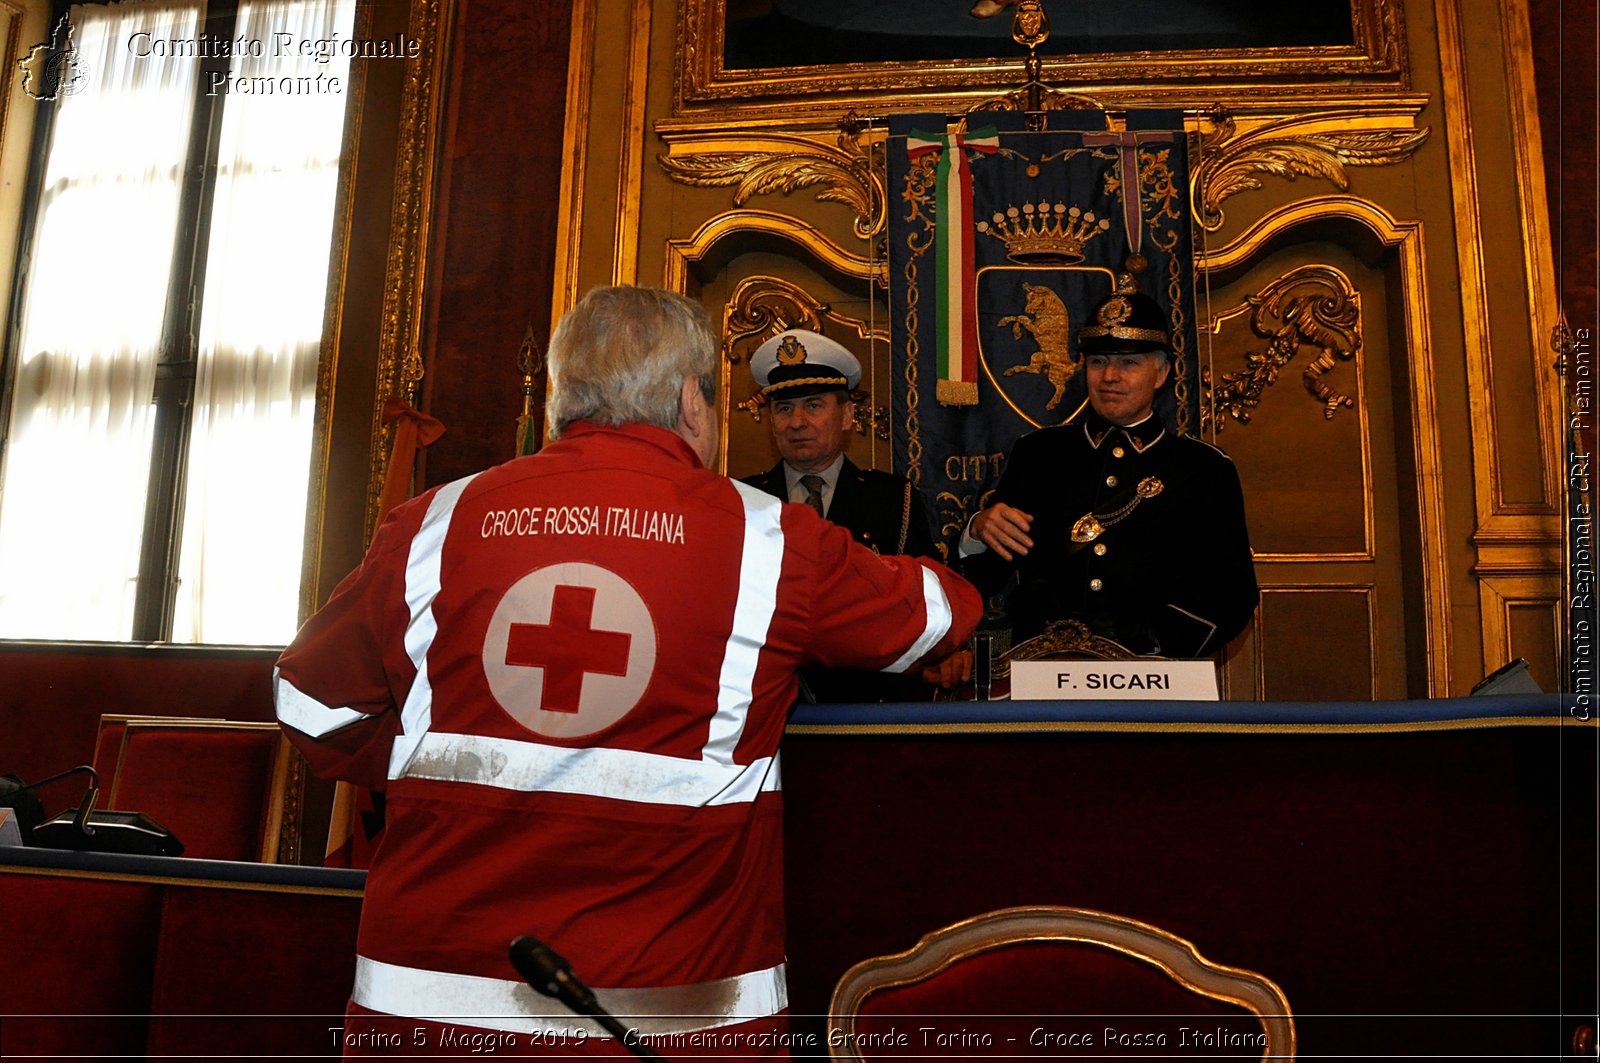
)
(570, 674)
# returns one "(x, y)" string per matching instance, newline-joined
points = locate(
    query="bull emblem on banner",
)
(1046, 319)
(1025, 317)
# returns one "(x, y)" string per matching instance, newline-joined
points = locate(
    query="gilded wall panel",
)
(1318, 643)
(1285, 366)
(1516, 424)
(1521, 619)
(1387, 488)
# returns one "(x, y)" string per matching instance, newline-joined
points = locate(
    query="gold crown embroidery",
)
(1043, 234)
(791, 351)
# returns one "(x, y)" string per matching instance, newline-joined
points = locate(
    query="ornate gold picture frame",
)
(1374, 61)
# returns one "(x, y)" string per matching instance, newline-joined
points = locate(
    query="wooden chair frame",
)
(272, 825)
(1174, 956)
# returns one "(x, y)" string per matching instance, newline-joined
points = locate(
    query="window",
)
(162, 361)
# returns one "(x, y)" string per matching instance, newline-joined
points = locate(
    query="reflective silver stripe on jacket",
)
(305, 713)
(937, 607)
(503, 1004)
(422, 587)
(620, 774)
(760, 562)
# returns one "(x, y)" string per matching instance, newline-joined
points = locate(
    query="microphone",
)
(546, 971)
(84, 829)
(81, 820)
(30, 813)
(550, 974)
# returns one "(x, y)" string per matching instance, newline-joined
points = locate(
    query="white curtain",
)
(77, 465)
(261, 330)
(77, 456)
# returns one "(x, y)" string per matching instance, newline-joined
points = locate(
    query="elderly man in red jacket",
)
(570, 674)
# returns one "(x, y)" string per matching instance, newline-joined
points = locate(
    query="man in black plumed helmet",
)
(1115, 520)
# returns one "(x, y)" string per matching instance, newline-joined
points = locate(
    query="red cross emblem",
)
(569, 650)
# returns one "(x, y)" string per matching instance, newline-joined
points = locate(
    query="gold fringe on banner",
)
(956, 392)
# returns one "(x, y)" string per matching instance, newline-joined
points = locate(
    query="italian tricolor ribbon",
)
(953, 254)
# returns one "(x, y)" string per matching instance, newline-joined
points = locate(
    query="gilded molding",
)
(849, 173)
(1404, 239)
(400, 365)
(1312, 305)
(1487, 374)
(762, 307)
(291, 809)
(333, 330)
(13, 13)
(1321, 146)
(575, 160)
(625, 264)
(734, 227)
(1501, 592)
(1538, 244)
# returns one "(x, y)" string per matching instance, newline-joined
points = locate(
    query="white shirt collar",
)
(795, 492)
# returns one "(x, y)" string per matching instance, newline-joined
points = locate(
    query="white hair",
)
(622, 354)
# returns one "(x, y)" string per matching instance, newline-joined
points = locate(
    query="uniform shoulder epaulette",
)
(1212, 447)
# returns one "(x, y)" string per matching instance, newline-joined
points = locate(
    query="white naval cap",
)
(799, 362)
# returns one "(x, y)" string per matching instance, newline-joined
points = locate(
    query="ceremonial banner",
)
(1001, 242)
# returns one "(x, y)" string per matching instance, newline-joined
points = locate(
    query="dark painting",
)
(779, 33)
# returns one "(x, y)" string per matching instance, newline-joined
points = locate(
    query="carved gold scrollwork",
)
(762, 307)
(1289, 149)
(848, 173)
(1048, 100)
(1313, 305)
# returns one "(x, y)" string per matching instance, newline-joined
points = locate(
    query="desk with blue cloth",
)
(1418, 877)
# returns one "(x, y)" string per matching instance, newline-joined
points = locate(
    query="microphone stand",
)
(80, 821)
(546, 971)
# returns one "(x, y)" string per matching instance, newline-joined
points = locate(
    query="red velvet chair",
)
(108, 743)
(1057, 981)
(216, 784)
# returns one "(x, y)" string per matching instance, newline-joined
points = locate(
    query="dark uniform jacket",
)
(882, 511)
(1169, 570)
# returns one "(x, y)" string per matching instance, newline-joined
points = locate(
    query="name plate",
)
(10, 830)
(1113, 681)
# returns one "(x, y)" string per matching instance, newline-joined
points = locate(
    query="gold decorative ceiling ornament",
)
(1030, 27)
(1313, 305)
(1304, 146)
(850, 171)
(761, 307)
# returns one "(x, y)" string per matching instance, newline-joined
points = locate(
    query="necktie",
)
(813, 485)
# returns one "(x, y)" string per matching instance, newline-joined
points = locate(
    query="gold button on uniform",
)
(1099, 549)
(1117, 452)
(1111, 481)
(1095, 584)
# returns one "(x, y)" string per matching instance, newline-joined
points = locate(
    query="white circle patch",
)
(569, 650)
